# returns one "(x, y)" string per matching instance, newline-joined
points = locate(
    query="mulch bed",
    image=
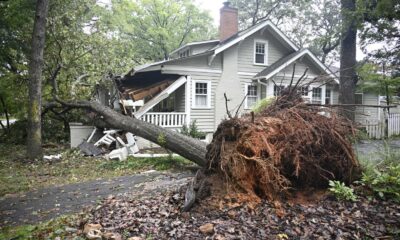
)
(160, 217)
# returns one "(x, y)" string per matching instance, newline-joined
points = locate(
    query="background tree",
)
(34, 144)
(86, 43)
(379, 79)
(381, 28)
(348, 76)
(159, 26)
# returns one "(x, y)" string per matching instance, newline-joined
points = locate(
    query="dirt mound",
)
(289, 145)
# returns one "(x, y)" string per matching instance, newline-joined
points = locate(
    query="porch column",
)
(188, 98)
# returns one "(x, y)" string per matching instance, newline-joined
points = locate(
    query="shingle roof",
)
(277, 64)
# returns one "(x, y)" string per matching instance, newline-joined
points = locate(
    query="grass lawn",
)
(17, 176)
(47, 230)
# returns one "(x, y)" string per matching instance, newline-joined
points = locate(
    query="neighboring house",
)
(190, 86)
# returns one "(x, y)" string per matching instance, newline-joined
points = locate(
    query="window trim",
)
(265, 42)
(321, 98)
(246, 86)
(330, 95)
(208, 94)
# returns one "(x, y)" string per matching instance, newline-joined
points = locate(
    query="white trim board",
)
(247, 73)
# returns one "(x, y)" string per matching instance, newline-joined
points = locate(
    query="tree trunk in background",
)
(348, 76)
(34, 141)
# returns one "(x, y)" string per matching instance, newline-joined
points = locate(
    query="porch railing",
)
(165, 119)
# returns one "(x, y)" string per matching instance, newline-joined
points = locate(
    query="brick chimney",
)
(228, 23)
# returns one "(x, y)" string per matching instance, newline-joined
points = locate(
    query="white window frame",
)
(330, 95)
(265, 54)
(321, 99)
(208, 106)
(246, 86)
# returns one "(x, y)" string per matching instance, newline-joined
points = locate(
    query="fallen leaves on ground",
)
(160, 217)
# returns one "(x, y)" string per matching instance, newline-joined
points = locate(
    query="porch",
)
(158, 99)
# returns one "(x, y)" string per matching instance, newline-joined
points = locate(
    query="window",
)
(278, 90)
(260, 52)
(317, 95)
(304, 91)
(358, 98)
(201, 94)
(327, 96)
(251, 98)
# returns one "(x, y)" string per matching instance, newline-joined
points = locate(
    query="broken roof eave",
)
(304, 52)
(161, 96)
(158, 66)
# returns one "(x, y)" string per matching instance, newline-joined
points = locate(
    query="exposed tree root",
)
(289, 145)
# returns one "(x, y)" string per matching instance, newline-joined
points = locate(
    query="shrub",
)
(341, 191)
(262, 104)
(384, 181)
(383, 178)
(192, 130)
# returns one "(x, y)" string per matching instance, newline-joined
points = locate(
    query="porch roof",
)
(282, 63)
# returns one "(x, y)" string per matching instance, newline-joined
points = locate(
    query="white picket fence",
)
(394, 124)
(376, 129)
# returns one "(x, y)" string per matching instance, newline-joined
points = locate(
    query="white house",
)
(190, 86)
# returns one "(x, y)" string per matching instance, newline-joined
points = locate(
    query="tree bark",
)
(348, 76)
(34, 140)
(190, 148)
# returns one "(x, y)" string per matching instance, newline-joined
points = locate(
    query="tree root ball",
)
(289, 145)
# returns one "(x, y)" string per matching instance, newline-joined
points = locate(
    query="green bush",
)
(262, 104)
(384, 181)
(192, 131)
(341, 191)
(383, 178)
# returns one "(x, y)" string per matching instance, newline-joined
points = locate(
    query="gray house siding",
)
(205, 117)
(246, 52)
(180, 99)
(229, 73)
(368, 113)
(229, 84)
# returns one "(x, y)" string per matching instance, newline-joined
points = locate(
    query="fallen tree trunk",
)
(190, 148)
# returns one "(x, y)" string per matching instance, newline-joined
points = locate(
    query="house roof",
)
(282, 63)
(240, 36)
(194, 44)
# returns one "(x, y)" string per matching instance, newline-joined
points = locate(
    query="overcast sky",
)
(213, 7)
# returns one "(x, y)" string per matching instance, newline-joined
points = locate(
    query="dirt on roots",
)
(288, 146)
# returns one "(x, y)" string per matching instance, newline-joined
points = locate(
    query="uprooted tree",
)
(288, 145)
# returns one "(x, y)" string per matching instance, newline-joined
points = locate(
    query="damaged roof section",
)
(146, 89)
(145, 85)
